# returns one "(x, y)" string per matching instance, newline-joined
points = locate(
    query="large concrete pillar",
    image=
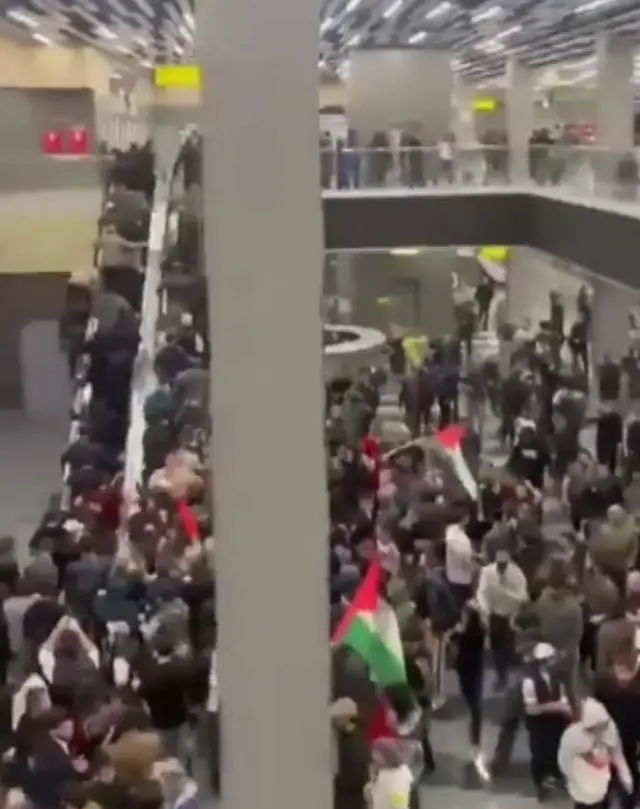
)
(404, 88)
(463, 124)
(263, 255)
(519, 115)
(610, 325)
(615, 93)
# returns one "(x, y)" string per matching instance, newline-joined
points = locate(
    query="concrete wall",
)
(414, 292)
(29, 308)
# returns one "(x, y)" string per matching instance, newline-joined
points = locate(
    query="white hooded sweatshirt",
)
(586, 759)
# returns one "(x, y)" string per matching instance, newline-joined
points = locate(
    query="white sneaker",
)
(481, 767)
(438, 702)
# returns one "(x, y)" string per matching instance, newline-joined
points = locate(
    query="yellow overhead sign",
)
(178, 77)
(495, 253)
(486, 104)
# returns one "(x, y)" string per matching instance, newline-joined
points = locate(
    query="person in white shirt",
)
(459, 562)
(445, 157)
(590, 751)
(502, 591)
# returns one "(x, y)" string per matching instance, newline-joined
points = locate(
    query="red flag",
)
(189, 521)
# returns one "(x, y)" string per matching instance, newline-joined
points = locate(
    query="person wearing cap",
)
(590, 753)
(547, 712)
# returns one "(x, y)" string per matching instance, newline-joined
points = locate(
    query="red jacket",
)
(371, 448)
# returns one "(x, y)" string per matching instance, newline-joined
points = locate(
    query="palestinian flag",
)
(451, 441)
(370, 628)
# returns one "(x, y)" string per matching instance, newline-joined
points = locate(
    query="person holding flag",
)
(369, 628)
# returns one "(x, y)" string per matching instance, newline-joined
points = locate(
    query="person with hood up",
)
(547, 711)
(590, 754)
(614, 546)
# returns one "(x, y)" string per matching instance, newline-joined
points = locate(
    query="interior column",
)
(614, 103)
(463, 124)
(519, 114)
(263, 256)
(402, 88)
(610, 325)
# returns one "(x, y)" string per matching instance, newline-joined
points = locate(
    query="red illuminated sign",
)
(78, 141)
(53, 142)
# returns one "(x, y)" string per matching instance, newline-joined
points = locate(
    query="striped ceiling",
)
(479, 34)
(151, 30)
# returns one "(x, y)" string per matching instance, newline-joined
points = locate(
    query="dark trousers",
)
(508, 732)
(212, 727)
(124, 281)
(502, 643)
(544, 733)
(470, 680)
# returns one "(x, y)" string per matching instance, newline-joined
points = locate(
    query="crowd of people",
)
(108, 635)
(556, 154)
(536, 560)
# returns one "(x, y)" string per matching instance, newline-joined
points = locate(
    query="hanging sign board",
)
(178, 77)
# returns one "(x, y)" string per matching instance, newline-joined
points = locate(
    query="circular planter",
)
(347, 349)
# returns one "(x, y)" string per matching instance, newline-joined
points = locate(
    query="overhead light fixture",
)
(438, 10)
(515, 29)
(326, 24)
(593, 5)
(140, 42)
(355, 40)
(106, 33)
(418, 37)
(188, 19)
(392, 9)
(42, 39)
(179, 51)
(488, 14)
(352, 5)
(20, 16)
(322, 64)
(490, 47)
(185, 33)
(405, 251)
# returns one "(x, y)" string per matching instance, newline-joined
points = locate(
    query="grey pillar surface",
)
(615, 93)
(519, 113)
(400, 87)
(263, 254)
(610, 326)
